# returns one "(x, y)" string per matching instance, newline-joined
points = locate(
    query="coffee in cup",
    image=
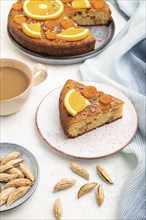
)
(16, 81)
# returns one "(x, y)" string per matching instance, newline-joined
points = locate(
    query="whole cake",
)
(53, 27)
(83, 108)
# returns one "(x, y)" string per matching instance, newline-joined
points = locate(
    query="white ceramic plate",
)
(30, 161)
(101, 142)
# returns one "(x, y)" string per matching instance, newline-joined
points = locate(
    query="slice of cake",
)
(83, 108)
(96, 12)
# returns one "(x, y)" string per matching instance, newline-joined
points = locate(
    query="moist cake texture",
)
(97, 14)
(93, 116)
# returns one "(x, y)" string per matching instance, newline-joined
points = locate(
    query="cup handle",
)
(40, 73)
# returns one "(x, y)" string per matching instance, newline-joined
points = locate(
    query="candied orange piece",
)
(93, 1)
(66, 23)
(50, 35)
(90, 92)
(19, 19)
(99, 4)
(17, 6)
(51, 24)
(105, 99)
(66, 1)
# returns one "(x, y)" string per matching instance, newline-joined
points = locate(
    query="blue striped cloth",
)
(123, 65)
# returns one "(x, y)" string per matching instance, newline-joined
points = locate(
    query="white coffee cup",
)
(12, 105)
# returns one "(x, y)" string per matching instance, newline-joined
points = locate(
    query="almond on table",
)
(100, 194)
(86, 188)
(79, 170)
(64, 183)
(58, 209)
(104, 175)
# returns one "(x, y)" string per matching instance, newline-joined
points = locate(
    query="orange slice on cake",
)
(81, 4)
(74, 102)
(32, 30)
(43, 9)
(73, 34)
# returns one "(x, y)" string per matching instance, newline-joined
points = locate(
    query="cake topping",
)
(43, 9)
(73, 34)
(81, 4)
(105, 99)
(66, 23)
(74, 102)
(17, 6)
(90, 92)
(50, 35)
(32, 30)
(98, 4)
(50, 24)
(19, 19)
(66, 1)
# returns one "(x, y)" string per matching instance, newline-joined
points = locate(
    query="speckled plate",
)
(100, 142)
(103, 35)
(30, 161)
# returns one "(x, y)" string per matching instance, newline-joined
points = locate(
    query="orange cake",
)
(83, 108)
(53, 27)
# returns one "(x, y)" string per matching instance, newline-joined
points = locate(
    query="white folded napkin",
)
(122, 66)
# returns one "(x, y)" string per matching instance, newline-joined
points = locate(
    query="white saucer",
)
(101, 142)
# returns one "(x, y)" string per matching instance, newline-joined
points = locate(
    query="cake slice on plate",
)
(83, 108)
